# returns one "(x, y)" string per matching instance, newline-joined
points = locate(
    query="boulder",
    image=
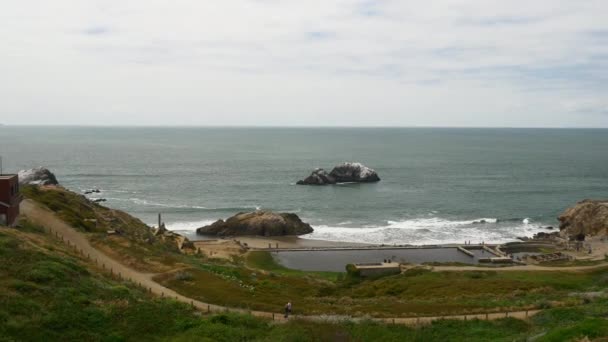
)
(342, 173)
(586, 218)
(318, 177)
(545, 236)
(262, 223)
(354, 172)
(37, 176)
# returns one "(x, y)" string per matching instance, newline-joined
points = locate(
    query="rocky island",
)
(260, 223)
(342, 173)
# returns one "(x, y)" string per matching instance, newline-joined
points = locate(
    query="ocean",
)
(439, 185)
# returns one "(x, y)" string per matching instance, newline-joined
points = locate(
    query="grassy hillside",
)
(134, 244)
(48, 293)
(82, 214)
(264, 285)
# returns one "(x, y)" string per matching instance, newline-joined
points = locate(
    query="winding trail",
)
(521, 268)
(57, 227)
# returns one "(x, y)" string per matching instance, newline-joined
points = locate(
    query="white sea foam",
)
(145, 202)
(420, 231)
(427, 231)
(188, 226)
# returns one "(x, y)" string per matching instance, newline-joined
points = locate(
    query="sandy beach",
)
(291, 242)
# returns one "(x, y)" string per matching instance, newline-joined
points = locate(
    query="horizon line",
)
(297, 126)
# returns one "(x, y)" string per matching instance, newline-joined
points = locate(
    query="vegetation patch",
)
(49, 293)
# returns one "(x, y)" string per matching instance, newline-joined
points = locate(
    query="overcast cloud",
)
(541, 63)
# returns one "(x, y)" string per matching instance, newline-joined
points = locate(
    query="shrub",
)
(352, 271)
(416, 271)
(183, 276)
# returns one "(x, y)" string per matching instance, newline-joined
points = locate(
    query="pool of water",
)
(336, 260)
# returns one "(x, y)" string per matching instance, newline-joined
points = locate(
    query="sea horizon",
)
(195, 126)
(439, 185)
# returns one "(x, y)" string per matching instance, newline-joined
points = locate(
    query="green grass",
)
(47, 293)
(71, 207)
(570, 263)
(135, 242)
(267, 286)
(78, 212)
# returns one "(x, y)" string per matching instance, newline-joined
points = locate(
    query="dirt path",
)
(520, 268)
(55, 226)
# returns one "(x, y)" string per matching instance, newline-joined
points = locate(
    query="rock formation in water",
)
(37, 176)
(586, 218)
(342, 173)
(262, 223)
(318, 177)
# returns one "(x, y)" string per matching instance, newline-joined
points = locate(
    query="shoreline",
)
(296, 242)
(304, 242)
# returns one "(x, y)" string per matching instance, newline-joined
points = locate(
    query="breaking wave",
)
(424, 231)
(188, 226)
(148, 203)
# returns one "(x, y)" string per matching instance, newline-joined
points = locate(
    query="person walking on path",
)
(287, 309)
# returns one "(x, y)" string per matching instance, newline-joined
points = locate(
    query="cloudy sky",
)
(541, 63)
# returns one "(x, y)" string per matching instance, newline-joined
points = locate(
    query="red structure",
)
(9, 199)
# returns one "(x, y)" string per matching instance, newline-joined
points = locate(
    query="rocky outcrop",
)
(354, 172)
(342, 173)
(586, 218)
(262, 223)
(37, 176)
(318, 177)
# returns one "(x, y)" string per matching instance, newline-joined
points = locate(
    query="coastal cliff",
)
(90, 217)
(261, 223)
(586, 218)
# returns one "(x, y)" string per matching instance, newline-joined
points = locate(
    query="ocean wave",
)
(434, 222)
(188, 225)
(428, 231)
(145, 202)
(110, 175)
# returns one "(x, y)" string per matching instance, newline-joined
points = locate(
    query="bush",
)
(352, 271)
(27, 226)
(183, 276)
(416, 271)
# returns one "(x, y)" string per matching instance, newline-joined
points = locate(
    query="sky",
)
(461, 63)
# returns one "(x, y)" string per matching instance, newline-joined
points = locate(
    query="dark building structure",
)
(9, 199)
